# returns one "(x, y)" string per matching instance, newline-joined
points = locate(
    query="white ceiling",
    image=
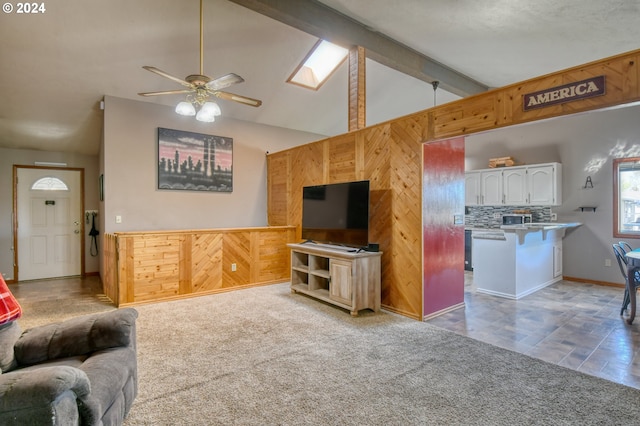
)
(55, 67)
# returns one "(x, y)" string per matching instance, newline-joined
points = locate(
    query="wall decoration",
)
(101, 186)
(194, 161)
(594, 86)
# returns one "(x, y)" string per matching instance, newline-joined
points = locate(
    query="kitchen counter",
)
(522, 230)
(514, 261)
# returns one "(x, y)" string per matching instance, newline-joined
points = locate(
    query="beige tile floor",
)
(575, 325)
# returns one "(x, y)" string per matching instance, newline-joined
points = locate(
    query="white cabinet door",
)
(472, 189)
(557, 259)
(544, 185)
(491, 188)
(515, 186)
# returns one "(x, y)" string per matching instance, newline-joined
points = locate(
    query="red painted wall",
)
(443, 241)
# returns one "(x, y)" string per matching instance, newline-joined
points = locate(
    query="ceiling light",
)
(319, 64)
(186, 108)
(208, 112)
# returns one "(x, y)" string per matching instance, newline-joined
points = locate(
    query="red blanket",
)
(9, 307)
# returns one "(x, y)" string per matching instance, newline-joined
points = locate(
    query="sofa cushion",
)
(74, 361)
(9, 307)
(9, 334)
(77, 336)
(32, 397)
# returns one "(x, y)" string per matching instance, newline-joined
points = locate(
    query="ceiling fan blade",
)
(165, 75)
(224, 81)
(237, 98)
(166, 92)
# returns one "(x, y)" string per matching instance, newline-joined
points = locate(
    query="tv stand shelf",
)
(343, 277)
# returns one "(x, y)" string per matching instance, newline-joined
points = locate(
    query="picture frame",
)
(194, 161)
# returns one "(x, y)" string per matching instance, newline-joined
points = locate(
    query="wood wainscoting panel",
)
(271, 248)
(236, 249)
(167, 265)
(110, 270)
(156, 263)
(207, 263)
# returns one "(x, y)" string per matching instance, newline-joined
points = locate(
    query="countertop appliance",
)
(515, 219)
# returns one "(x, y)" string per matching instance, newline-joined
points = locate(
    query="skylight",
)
(319, 64)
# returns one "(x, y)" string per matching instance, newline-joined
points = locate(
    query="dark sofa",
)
(81, 371)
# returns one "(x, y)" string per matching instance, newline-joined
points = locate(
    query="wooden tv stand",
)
(338, 275)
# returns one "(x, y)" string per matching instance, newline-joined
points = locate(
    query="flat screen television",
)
(336, 213)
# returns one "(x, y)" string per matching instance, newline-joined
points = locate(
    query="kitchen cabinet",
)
(515, 186)
(557, 259)
(534, 185)
(472, 189)
(337, 275)
(483, 188)
(544, 183)
(491, 187)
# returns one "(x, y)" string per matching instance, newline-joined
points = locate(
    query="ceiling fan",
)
(199, 87)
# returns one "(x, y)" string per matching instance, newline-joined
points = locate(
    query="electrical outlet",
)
(607, 262)
(496, 215)
(554, 217)
(233, 267)
(118, 219)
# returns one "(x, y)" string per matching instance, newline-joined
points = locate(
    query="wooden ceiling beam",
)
(321, 21)
(357, 89)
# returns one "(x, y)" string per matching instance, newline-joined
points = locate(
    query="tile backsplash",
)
(485, 216)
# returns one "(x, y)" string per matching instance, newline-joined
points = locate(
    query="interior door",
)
(49, 224)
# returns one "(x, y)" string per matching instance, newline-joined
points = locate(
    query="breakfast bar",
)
(514, 261)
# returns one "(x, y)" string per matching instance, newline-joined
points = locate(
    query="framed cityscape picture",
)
(194, 161)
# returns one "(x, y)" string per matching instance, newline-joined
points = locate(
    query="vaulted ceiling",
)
(56, 66)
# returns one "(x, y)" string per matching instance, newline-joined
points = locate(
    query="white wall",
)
(129, 156)
(585, 144)
(11, 157)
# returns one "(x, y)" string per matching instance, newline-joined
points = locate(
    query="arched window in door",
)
(49, 184)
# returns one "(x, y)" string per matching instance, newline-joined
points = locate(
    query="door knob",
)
(76, 231)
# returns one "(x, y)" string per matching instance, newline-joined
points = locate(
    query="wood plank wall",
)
(150, 266)
(110, 270)
(389, 155)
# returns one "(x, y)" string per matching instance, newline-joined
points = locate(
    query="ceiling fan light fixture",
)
(213, 107)
(199, 87)
(208, 112)
(185, 108)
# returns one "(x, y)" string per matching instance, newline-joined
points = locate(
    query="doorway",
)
(48, 226)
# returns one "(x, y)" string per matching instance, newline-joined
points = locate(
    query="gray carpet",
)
(264, 356)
